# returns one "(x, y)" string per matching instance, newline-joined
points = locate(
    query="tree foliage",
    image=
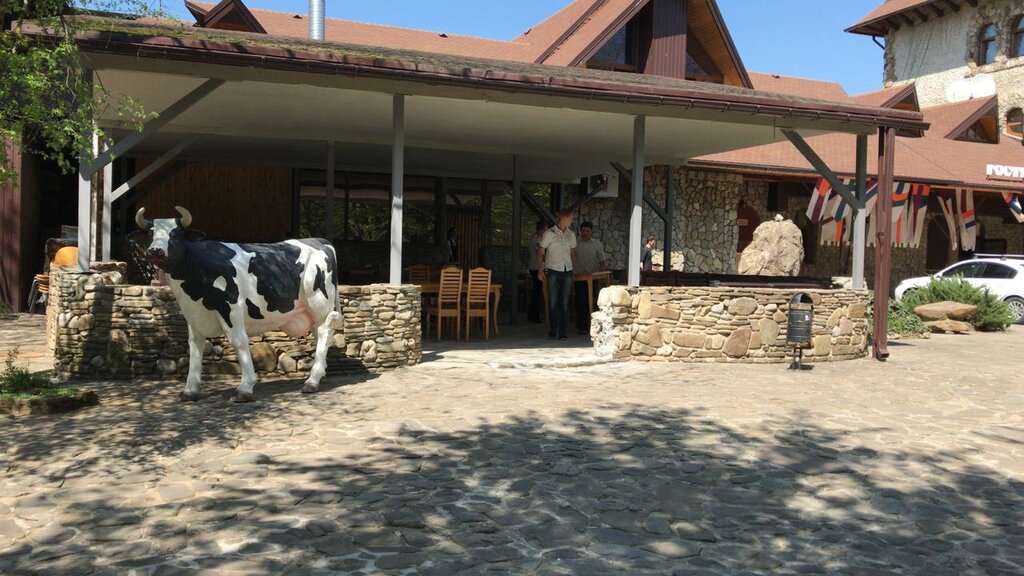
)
(46, 105)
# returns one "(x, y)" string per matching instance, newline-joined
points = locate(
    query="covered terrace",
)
(232, 96)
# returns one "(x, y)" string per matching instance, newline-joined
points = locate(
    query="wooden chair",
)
(419, 274)
(478, 300)
(449, 301)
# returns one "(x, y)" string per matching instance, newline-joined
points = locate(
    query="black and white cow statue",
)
(239, 290)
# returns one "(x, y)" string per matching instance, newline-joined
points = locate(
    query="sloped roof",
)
(823, 89)
(896, 13)
(603, 19)
(933, 159)
(887, 97)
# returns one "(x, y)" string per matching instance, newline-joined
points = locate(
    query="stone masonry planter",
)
(48, 404)
(100, 329)
(700, 324)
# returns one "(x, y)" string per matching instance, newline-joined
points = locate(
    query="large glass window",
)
(987, 44)
(1017, 47)
(1015, 122)
(620, 52)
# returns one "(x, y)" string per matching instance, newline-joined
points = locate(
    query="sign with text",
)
(1002, 172)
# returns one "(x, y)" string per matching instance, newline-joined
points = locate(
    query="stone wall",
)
(698, 324)
(704, 212)
(104, 330)
(936, 53)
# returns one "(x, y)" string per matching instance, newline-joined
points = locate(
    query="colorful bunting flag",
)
(1013, 201)
(968, 224)
(947, 202)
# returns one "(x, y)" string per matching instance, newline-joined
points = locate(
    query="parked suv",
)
(1001, 275)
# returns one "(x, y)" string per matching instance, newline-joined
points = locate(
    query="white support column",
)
(329, 194)
(636, 215)
(860, 215)
(85, 190)
(106, 215)
(397, 187)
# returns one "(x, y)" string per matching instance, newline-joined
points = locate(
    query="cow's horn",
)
(186, 216)
(140, 219)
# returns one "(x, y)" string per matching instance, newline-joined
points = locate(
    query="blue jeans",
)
(559, 288)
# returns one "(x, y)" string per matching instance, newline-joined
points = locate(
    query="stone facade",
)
(936, 53)
(100, 329)
(698, 324)
(704, 213)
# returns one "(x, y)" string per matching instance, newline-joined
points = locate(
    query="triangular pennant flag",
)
(968, 224)
(1013, 201)
(947, 202)
(816, 209)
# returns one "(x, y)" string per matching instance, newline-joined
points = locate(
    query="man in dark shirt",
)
(647, 255)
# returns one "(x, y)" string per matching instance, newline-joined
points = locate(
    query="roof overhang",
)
(562, 122)
(895, 14)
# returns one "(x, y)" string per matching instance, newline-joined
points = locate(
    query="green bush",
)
(17, 380)
(903, 320)
(992, 313)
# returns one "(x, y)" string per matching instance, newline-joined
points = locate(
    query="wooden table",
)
(433, 288)
(601, 278)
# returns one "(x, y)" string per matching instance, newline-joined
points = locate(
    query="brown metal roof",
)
(895, 14)
(224, 47)
(778, 84)
(934, 159)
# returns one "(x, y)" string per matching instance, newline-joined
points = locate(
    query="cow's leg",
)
(196, 343)
(240, 341)
(324, 333)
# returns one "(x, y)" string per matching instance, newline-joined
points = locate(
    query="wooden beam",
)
(539, 210)
(627, 175)
(151, 168)
(822, 168)
(153, 126)
(883, 249)
(952, 5)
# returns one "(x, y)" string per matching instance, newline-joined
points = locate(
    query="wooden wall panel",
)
(10, 234)
(231, 202)
(667, 53)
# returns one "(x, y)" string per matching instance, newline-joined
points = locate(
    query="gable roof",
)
(937, 158)
(567, 38)
(227, 15)
(890, 97)
(894, 14)
(823, 89)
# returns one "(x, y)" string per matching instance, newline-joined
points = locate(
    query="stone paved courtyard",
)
(911, 467)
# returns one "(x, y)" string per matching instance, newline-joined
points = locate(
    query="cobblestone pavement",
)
(27, 334)
(915, 466)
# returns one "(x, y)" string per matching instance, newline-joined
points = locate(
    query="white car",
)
(1001, 275)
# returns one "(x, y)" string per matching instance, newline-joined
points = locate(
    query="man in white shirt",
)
(556, 258)
(590, 258)
(536, 297)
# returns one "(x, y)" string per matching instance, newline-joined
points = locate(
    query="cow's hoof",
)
(309, 388)
(189, 397)
(242, 397)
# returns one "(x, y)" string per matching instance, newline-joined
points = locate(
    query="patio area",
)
(460, 466)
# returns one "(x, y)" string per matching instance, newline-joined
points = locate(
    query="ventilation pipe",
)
(316, 20)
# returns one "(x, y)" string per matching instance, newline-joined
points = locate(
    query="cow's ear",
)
(144, 237)
(194, 235)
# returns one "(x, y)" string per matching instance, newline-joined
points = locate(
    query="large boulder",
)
(949, 327)
(777, 250)
(947, 310)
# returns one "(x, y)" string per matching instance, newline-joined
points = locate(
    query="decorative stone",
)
(688, 340)
(856, 311)
(949, 326)
(945, 310)
(717, 342)
(755, 341)
(664, 313)
(822, 345)
(643, 309)
(776, 250)
(738, 343)
(264, 358)
(779, 317)
(742, 306)
(845, 327)
(833, 320)
(620, 296)
(769, 330)
(166, 366)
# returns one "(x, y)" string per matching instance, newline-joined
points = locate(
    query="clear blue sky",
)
(793, 37)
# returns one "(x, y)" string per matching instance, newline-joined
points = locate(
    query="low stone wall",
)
(104, 330)
(699, 324)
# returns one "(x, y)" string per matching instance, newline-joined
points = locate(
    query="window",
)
(998, 271)
(1015, 123)
(987, 45)
(966, 270)
(620, 52)
(1017, 47)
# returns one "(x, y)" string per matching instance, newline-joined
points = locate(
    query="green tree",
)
(46, 105)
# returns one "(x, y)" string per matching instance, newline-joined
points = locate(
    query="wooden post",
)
(883, 249)
(636, 214)
(107, 203)
(85, 160)
(860, 214)
(670, 187)
(397, 186)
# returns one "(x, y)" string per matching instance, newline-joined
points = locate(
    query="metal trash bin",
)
(799, 327)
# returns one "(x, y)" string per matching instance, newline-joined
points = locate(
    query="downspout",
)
(316, 20)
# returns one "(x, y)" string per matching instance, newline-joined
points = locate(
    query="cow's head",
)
(164, 238)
